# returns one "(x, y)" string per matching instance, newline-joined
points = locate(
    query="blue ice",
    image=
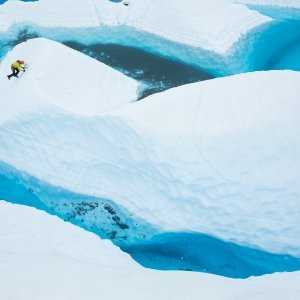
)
(203, 253)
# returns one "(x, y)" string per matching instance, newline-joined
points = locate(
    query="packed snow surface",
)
(218, 157)
(62, 77)
(42, 257)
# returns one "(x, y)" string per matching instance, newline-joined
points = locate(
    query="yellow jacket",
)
(17, 65)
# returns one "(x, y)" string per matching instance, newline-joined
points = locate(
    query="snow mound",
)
(62, 77)
(217, 157)
(225, 144)
(43, 257)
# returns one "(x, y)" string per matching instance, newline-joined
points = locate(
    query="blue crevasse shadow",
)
(13, 188)
(284, 36)
(98, 215)
(143, 241)
(203, 253)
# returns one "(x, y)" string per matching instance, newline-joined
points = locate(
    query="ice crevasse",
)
(218, 157)
(34, 243)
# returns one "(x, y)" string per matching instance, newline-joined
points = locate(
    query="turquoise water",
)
(156, 73)
(168, 251)
(278, 48)
(291, 60)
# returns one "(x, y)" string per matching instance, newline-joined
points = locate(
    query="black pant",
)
(15, 72)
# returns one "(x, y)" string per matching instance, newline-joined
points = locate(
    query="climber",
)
(16, 67)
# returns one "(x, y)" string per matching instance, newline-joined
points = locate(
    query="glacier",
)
(237, 192)
(203, 177)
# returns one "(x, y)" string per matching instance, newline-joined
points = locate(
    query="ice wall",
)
(212, 37)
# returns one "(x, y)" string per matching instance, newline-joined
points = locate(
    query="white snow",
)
(213, 25)
(42, 257)
(27, 231)
(218, 157)
(64, 78)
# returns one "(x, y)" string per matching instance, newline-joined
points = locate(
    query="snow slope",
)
(42, 257)
(209, 157)
(206, 35)
(58, 76)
